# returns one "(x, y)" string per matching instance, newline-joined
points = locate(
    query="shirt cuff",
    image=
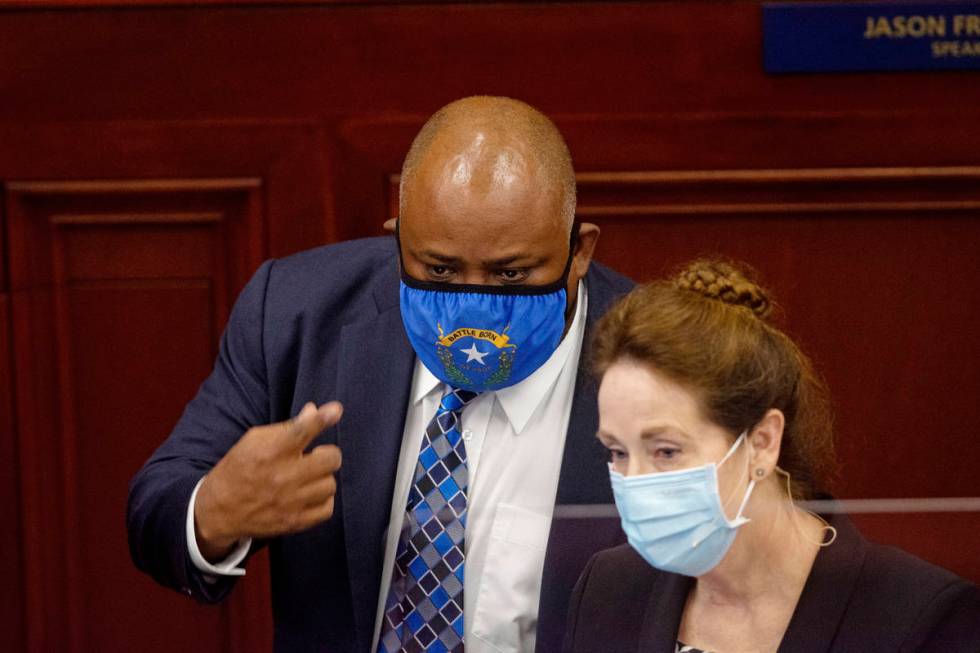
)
(228, 566)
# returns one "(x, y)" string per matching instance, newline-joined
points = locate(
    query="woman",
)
(715, 422)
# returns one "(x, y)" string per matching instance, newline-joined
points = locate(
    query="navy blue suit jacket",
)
(321, 325)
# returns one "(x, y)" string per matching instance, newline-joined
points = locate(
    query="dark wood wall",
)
(152, 155)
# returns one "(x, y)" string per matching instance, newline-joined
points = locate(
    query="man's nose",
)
(475, 277)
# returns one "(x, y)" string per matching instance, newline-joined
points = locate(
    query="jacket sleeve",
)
(574, 606)
(229, 402)
(951, 621)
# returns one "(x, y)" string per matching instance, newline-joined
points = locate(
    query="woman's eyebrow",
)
(656, 431)
(600, 434)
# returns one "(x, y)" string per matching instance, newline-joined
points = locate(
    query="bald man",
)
(396, 418)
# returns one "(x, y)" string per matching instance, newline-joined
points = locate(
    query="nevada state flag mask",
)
(481, 338)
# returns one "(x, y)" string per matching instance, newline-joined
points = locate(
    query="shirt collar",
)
(519, 401)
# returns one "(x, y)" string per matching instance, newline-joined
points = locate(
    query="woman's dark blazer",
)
(859, 597)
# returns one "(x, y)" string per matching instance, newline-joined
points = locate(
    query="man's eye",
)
(440, 271)
(512, 276)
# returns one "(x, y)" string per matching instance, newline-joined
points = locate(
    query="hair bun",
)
(725, 282)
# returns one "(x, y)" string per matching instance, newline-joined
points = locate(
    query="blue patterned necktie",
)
(424, 607)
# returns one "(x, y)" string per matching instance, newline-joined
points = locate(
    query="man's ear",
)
(766, 437)
(391, 225)
(588, 236)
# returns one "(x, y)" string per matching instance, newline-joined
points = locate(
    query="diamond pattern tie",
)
(424, 607)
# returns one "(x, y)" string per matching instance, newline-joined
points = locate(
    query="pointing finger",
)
(294, 426)
(330, 413)
(312, 420)
(304, 427)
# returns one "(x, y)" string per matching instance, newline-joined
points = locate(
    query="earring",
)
(760, 472)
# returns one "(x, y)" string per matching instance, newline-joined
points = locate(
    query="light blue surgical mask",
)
(675, 520)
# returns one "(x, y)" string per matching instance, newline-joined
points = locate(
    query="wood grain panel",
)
(12, 617)
(289, 159)
(115, 324)
(787, 190)
(929, 536)
(155, 213)
(135, 350)
(280, 62)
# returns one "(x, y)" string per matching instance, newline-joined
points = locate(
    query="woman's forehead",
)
(640, 393)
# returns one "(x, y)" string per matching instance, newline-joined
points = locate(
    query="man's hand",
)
(266, 486)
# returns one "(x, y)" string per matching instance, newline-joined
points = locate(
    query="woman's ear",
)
(766, 437)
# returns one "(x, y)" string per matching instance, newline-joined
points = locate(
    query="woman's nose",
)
(637, 466)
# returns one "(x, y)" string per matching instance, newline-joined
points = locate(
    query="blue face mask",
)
(675, 520)
(481, 338)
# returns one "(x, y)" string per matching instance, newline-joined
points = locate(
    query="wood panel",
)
(277, 62)
(945, 538)
(284, 169)
(120, 290)
(11, 577)
(289, 157)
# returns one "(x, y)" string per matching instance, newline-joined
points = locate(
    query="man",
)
(427, 422)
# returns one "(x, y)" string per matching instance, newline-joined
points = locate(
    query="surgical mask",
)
(675, 520)
(481, 337)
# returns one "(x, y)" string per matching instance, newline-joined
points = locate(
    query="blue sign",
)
(812, 37)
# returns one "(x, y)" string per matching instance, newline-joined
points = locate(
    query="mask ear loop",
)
(826, 527)
(732, 448)
(751, 486)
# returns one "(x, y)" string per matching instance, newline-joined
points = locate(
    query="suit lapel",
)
(827, 591)
(374, 381)
(584, 476)
(662, 619)
(583, 479)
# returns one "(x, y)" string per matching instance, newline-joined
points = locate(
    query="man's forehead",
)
(454, 219)
(478, 158)
(493, 245)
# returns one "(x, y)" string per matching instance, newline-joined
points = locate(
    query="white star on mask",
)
(474, 354)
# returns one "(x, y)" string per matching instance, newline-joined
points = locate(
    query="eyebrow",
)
(438, 257)
(649, 434)
(493, 263)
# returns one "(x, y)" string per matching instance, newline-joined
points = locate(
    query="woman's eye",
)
(667, 453)
(615, 455)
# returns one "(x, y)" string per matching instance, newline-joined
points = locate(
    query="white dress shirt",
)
(514, 443)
